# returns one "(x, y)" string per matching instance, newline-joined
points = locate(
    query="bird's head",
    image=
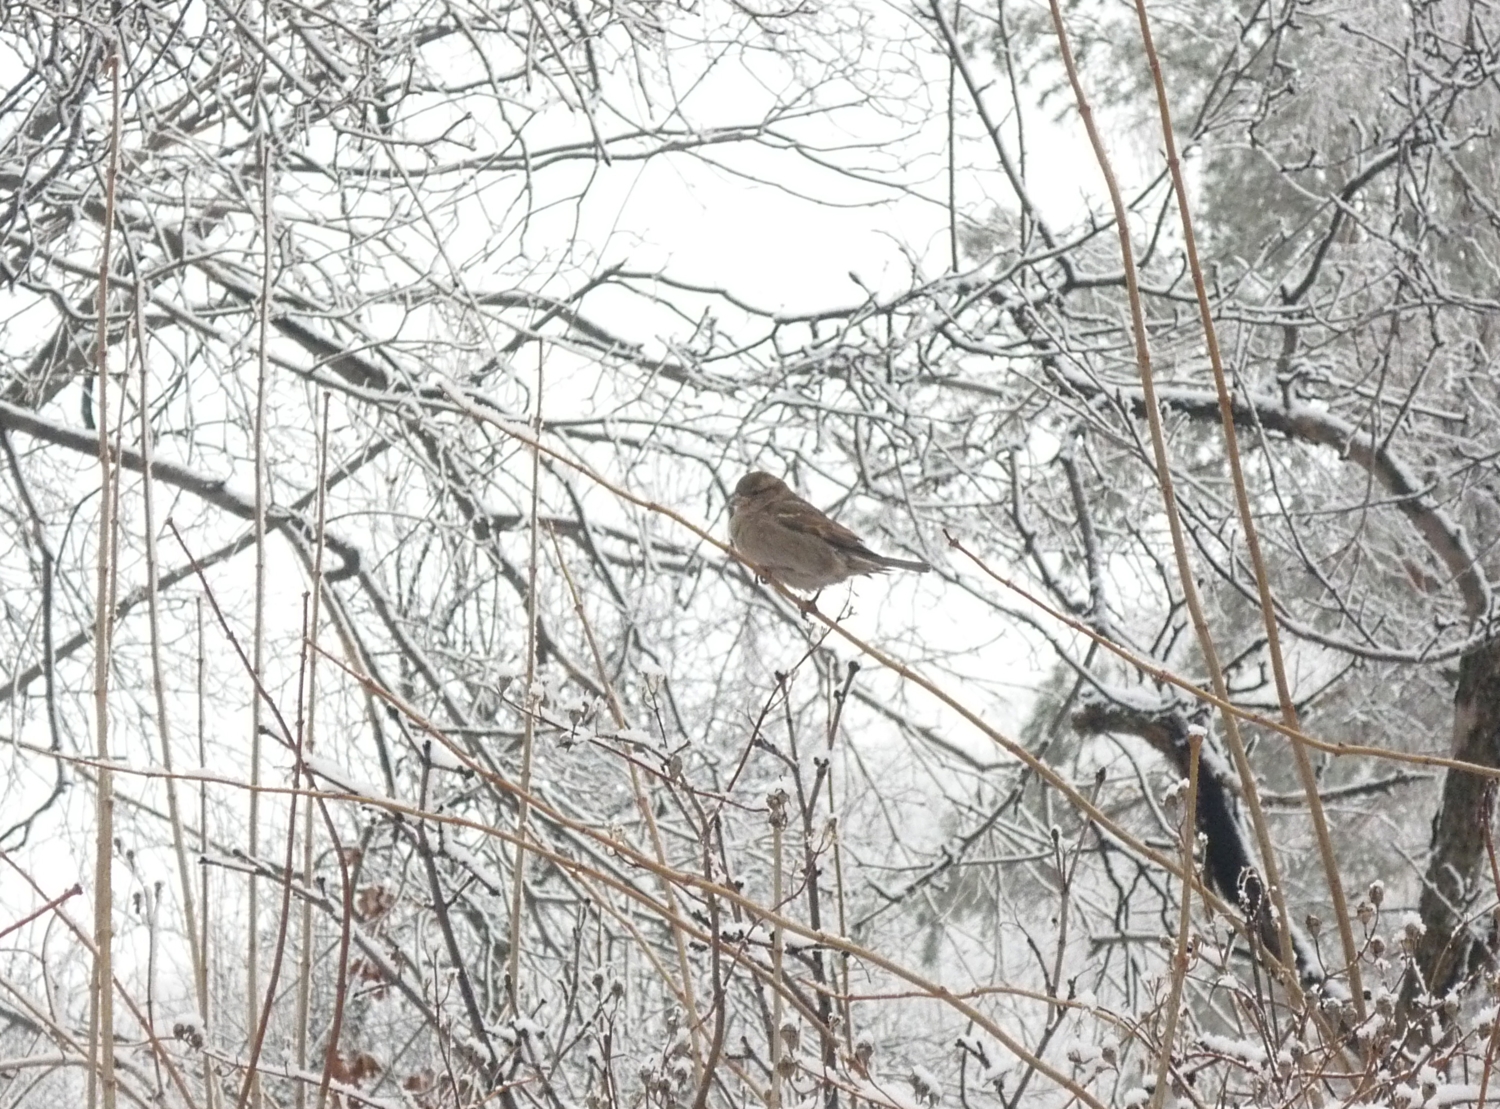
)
(757, 483)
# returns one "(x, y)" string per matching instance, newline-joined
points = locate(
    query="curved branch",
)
(1444, 536)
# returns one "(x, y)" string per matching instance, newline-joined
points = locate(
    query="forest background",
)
(387, 723)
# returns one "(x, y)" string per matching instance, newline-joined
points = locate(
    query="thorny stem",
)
(258, 632)
(158, 680)
(306, 727)
(777, 804)
(1283, 958)
(719, 1003)
(346, 938)
(102, 1082)
(1184, 917)
(841, 698)
(1252, 537)
(200, 690)
(283, 924)
(528, 727)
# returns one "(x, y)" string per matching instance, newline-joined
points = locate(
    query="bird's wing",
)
(795, 517)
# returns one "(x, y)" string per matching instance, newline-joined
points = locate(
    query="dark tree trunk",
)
(1458, 871)
(1229, 861)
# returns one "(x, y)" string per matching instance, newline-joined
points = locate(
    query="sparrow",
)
(791, 541)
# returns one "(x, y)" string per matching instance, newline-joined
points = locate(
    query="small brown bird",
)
(793, 542)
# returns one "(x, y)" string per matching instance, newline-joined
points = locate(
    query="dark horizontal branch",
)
(1228, 858)
(212, 490)
(1443, 535)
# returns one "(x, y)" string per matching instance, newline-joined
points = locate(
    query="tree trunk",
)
(1457, 868)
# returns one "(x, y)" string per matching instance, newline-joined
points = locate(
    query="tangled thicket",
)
(449, 759)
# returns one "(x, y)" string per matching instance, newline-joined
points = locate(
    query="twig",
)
(71, 892)
(528, 718)
(102, 1083)
(1184, 918)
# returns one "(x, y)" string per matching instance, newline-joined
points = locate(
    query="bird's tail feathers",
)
(906, 564)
